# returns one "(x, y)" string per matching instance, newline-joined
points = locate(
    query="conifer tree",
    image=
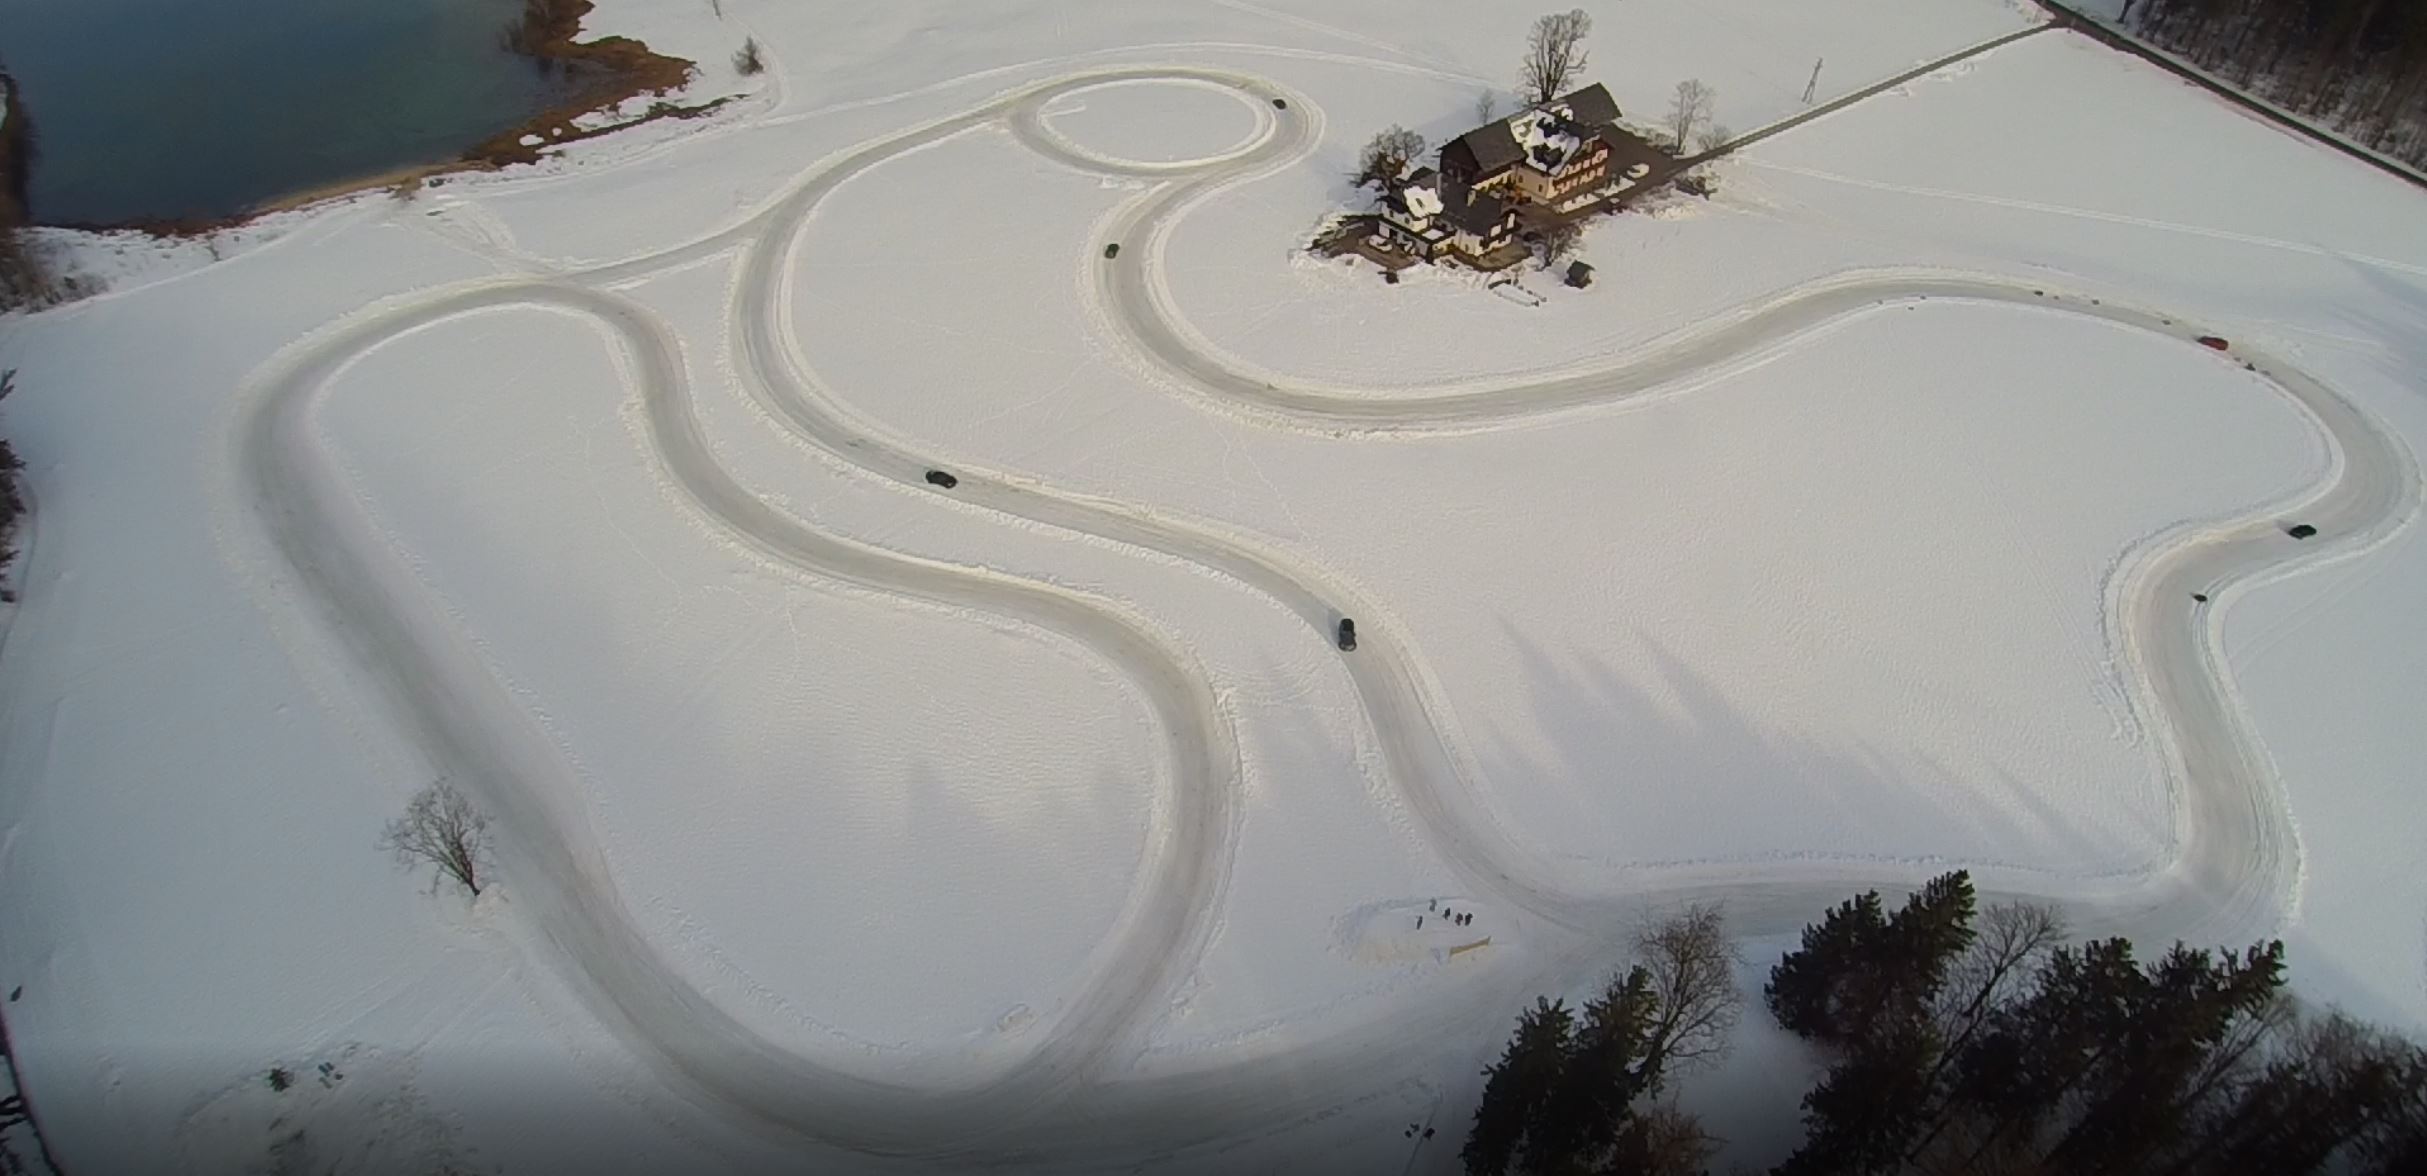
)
(1517, 1087)
(2333, 1082)
(1582, 1118)
(1866, 1112)
(1563, 1099)
(2166, 1027)
(1802, 992)
(1859, 967)
(2004, 1051)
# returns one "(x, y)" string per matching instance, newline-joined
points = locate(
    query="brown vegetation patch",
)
(609, 69)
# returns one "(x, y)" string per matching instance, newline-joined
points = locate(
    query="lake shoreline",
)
(615, 68)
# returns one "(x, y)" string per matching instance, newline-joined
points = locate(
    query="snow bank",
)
(192, 815)
(827, 805)
(1154, 122)
(1839, 604)
(1786, 614)
(2193, 205)
(1321, 833)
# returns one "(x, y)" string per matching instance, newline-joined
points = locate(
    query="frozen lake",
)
(167, 109)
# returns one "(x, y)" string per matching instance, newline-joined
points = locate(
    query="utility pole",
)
(1814, 84)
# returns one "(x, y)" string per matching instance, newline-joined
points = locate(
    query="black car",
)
(940, 478)
(1113, 250)
(1348, 634)
(2300, 530)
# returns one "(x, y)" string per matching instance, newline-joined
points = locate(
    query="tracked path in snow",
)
(2235, 862)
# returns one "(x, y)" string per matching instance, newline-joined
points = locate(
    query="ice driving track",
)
(2232, 875)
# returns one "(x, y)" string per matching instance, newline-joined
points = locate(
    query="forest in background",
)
(2355, 67)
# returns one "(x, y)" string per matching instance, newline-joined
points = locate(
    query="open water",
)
(165, 109)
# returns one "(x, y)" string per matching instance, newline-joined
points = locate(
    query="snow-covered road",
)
(2236, 863)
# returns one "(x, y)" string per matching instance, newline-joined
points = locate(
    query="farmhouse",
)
(1429, 215)
(1554, 162)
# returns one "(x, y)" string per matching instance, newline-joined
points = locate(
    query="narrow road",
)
(1834, 105)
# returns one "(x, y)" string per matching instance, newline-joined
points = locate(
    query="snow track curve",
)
(2236, 858)
(476, 736)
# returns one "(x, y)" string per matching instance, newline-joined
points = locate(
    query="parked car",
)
(2214, 341)
(1348, 634)
(940, 478)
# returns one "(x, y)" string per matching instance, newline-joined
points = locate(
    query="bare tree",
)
(1386, 156)
(25, 272)
(1556, 243)
(1554, 54)
(2006, 954)
(1663, 1140)
(440, 827)
(1487, 106)
(1690, 109)
(1712, 138)
(1692, 965)
(747, 61)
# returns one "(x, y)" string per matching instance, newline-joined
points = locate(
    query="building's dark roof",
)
(1472, 211)
(1394, 197)
(1626, 150)
(1462, 208)
(1493, 147)
(1591, 105)
(1482, 151)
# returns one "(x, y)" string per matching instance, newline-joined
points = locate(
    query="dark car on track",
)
(1348, 634)
(940, 478)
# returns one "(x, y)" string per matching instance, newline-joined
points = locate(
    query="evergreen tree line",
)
(1575, 1092)
(2358, 67)
(1959, 1041)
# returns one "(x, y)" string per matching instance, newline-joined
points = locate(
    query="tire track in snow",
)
(2236, 861)
(431, 679)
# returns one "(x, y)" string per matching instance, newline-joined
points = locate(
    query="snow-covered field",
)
(1843, 532)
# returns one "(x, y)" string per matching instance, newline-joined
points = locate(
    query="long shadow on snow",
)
(1626, 739)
